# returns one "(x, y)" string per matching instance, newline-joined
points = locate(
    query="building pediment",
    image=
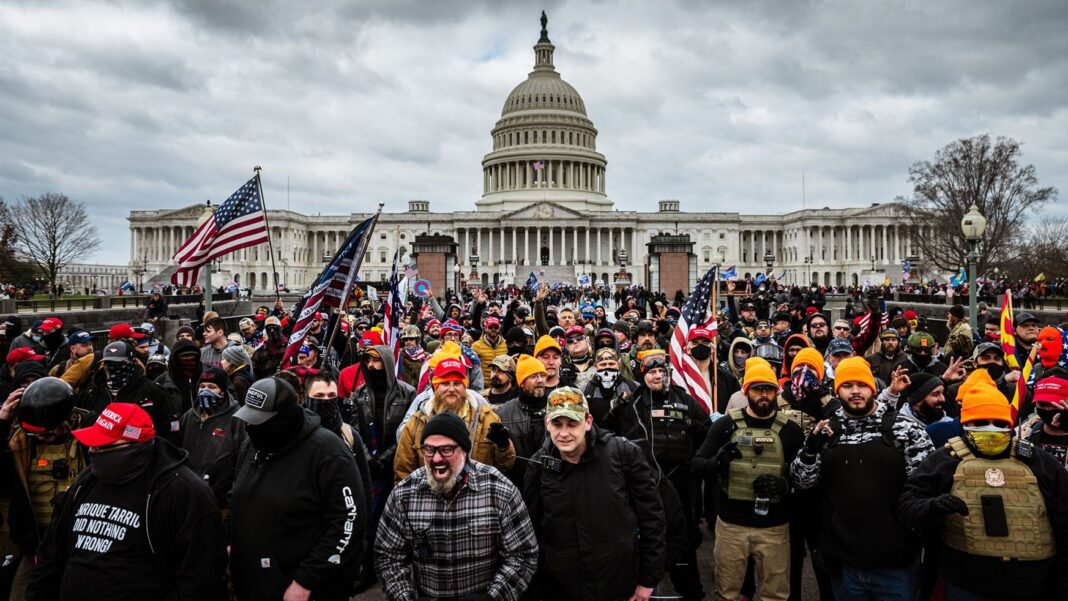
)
(544, 210)
(190, 212)
(890, 209)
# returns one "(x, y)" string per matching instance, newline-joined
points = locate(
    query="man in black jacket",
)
(211, 435)
(137, 524)
(125, 382)
(302, 545)
(182, 375)
(593, 502)
(524, 416)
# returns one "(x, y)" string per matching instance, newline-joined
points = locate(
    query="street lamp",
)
(808, 277)
(973, 225)
(769, 260)
(285, 271)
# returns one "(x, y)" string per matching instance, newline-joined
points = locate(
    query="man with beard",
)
(747, 321)
(489, 346)
(959, 343)
(589, 497)
(608, 388)
(548, 351)
(78, 369)
(125, 382)
(1000, 509)
(751, 449)
(455, 528)
(890, 357)
(925, 400)
(861, 456)
(922, 348)
(502, 381)
(491, 443)
(249, 334)
(818, 331)
(524, 416)
(210, 434)
(669, 426)
(294, 546)
(137, 524)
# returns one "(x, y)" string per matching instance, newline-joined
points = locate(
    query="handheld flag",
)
(238, 223)
(728, 273)
(332, 286)
(959, 279)
(1008, 332)
(126, 286)
(532, 281)
(695, 314)
(393, 310)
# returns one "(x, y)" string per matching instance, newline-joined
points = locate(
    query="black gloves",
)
(725, 455)
(770, 487)
(499, 435)
(945, 504)
(816, 442)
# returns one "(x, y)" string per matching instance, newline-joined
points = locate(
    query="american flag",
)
(695, 314)
(539, 165)
(410, 272)
(330, 289)
(238, 223)
(393, 310)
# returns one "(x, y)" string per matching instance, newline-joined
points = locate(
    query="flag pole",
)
(715, 344)
(270, 246)
(353, 268)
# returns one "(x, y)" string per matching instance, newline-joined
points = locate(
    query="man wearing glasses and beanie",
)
(455, 528)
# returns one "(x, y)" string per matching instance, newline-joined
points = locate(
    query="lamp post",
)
(973, 225)
(808, 277)
(652, 270)
(457, 271)
(769, 260)
(285, 271)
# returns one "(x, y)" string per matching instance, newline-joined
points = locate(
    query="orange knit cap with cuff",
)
(981, 399)
(810, 357)
(853, 369)
(758, 371)
(527, 366)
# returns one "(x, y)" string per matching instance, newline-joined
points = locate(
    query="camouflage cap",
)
(567, 402)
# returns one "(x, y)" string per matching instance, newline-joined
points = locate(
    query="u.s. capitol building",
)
(545, 208)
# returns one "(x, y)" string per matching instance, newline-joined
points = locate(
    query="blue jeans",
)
(882, 584)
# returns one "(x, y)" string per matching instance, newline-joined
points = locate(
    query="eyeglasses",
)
(445, 450)
(574, 339)
(362, 328)
(817, 326)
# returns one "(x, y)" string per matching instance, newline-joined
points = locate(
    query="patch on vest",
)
(995, 477)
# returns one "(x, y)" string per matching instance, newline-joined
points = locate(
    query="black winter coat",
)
(213, 444)
(600, 522)
(312, 534)
(398, 397)
(149, 396)
(669, 439)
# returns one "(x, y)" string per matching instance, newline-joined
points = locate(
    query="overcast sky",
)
(132, 105)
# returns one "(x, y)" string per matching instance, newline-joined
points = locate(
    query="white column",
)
(551, 253)
(586, 257)
(599, 246)
(886, 255)
(514, 259)
(634, 254)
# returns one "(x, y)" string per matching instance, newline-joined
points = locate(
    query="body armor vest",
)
(762, 453)
(799, 417)
(1030, 536)
(53, 469)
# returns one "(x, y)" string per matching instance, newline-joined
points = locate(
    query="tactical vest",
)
(799, 417)
(762, 453)
(1030, 535)
(53, 469)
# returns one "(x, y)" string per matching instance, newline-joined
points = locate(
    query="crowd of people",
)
(534, 445)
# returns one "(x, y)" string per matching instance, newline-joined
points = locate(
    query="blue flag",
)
(532, 281)
(760, 279)
(959, 279)
(728, 273)
(126, 286)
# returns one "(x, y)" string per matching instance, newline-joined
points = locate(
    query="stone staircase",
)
(564, 274)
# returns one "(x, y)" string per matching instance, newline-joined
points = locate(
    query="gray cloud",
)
(720, 104)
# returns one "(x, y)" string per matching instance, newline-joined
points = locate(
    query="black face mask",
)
(327, 410)
(701, 352)
(1047, 415)
(995, 371)
(123, 464)
(210, 401)
(274, 434)
(376, 378)
(53, 340)
(921, 361)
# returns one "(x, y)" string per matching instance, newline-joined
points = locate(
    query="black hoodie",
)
(182, 528)
(314, 533)
(182, 390)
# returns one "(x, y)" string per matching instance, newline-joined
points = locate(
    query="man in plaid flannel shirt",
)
(454, 529)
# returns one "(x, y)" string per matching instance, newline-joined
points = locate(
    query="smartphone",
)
(994, 520)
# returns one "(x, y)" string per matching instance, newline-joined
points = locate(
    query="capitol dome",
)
(544, 144)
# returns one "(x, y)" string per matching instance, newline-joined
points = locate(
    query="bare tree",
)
(966, 172)
(13, 270)
(1041, 250)
(54, 232)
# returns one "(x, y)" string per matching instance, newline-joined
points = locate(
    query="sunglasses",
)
(575, 339)
(840, 328)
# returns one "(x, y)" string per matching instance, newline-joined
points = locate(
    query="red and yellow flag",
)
(1008, 333)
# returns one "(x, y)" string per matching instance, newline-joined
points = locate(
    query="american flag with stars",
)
(393, 312)
(410, 272)
(238, 223)
(695, 314)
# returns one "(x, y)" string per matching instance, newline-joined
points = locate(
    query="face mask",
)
(35, 337)
(921, 361)
(607, 377)
(701, 352)
(53, 340)
(995, 371)
(625, 345)
(119, 376)
(376, 378)
(1047, 416)
(327, 410)
(209, 401)
(989, 440)
(739, 361)
(804, 382)
(274, 434)
(121, 465)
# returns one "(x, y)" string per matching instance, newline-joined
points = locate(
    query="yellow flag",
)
(1041, 277)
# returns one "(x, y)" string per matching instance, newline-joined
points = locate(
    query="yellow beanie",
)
(810, 357)
(758, 371)
(527, 366)
(853, 369)
(547, 342)
(982, 399)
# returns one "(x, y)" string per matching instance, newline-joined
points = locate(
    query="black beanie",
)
(216, 376)
(921, 385)
(450, 426)
(515, 335)
(957, 311)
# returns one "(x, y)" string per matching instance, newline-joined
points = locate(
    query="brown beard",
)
(440, 403)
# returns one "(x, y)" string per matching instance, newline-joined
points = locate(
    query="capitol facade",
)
(545, 209)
